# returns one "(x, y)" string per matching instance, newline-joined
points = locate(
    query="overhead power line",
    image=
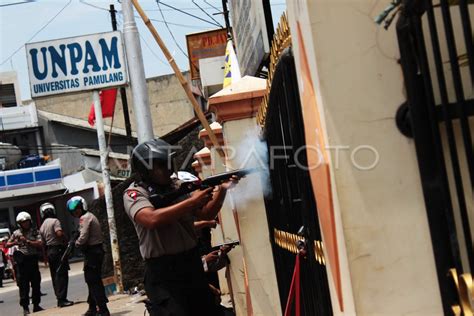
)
(169, 30)
(34, 35)
(120, 22)
(137, 16)
(207, 8)
(212, 18)
(215, 8)
(16, 3)
(186, 13)
(92, 5)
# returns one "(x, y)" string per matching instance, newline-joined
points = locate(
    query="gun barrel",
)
(219, 178)
(232, 244)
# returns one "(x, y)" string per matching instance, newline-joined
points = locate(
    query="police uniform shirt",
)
(32, 234)
(90, 233)
(171, 239)
(48, 232)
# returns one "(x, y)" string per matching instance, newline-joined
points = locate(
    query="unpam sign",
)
(75, 64)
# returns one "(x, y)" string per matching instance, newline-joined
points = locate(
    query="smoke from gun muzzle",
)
(252, 153)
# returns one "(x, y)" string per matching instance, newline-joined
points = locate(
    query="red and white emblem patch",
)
(133, 194)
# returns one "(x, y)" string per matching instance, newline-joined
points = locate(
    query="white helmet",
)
(22, 217)
(74, 202)
(185, 176)
(47, 209)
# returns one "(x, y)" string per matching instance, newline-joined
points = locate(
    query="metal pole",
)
(123, 93)
(137, 74)
(99, 123)
(226, 18)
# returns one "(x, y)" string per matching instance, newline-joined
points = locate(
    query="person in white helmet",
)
(55, 241)
(29, 243)
(90, 243)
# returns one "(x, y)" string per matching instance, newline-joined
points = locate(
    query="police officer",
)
(90, 242)
(55, 241)
(29, 243)
(175, 281)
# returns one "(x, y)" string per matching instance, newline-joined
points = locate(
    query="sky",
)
(29, 21)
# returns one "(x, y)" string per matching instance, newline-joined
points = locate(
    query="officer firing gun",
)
(191, 183)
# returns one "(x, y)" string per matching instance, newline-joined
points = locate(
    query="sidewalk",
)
(121, 304)
(10, 285)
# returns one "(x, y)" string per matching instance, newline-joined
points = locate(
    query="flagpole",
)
(99, 122)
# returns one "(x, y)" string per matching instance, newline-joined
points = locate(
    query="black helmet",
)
(150, 153)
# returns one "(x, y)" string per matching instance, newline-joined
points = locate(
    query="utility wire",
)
(42, 28)
(206, 8)
(169, 30)
(212, 18)
(92, 5)
(16, 3)
(184, 9)
(175, 24)
(184, 12)
(139, 17)
(154, 54)
(215, 8)
(120, 22)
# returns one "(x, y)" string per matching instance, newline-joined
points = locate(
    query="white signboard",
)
(75, 64)
(250, 34)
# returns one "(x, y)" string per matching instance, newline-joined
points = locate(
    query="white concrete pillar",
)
(252, 267)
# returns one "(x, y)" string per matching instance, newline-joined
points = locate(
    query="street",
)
(77, 291)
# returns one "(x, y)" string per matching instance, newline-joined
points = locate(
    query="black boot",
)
(26, 310)
(37, 308)
(103, 310)
(91, 312)
(65, 303)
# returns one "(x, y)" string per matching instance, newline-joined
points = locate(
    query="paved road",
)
(10, 307)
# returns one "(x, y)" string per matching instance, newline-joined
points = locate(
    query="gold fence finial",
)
(281, 40)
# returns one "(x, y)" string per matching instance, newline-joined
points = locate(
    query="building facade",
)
(169, 105)
(369, 138)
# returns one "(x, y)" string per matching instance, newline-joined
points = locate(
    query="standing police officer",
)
(55, 241)
(175, 281)
(90, 242)
(29, 243)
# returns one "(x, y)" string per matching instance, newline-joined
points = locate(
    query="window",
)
(7, 95)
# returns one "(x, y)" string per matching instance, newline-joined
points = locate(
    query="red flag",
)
(107, 100)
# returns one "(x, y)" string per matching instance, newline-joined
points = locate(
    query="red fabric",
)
(294, 290)
(107, 100)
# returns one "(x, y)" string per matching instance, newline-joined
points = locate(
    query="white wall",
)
(255, 245)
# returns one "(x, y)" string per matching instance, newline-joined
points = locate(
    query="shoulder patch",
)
(132, 194)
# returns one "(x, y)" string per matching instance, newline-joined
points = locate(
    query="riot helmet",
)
(47, 210)
(23, 217)
(75, 202)
(149, 154)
